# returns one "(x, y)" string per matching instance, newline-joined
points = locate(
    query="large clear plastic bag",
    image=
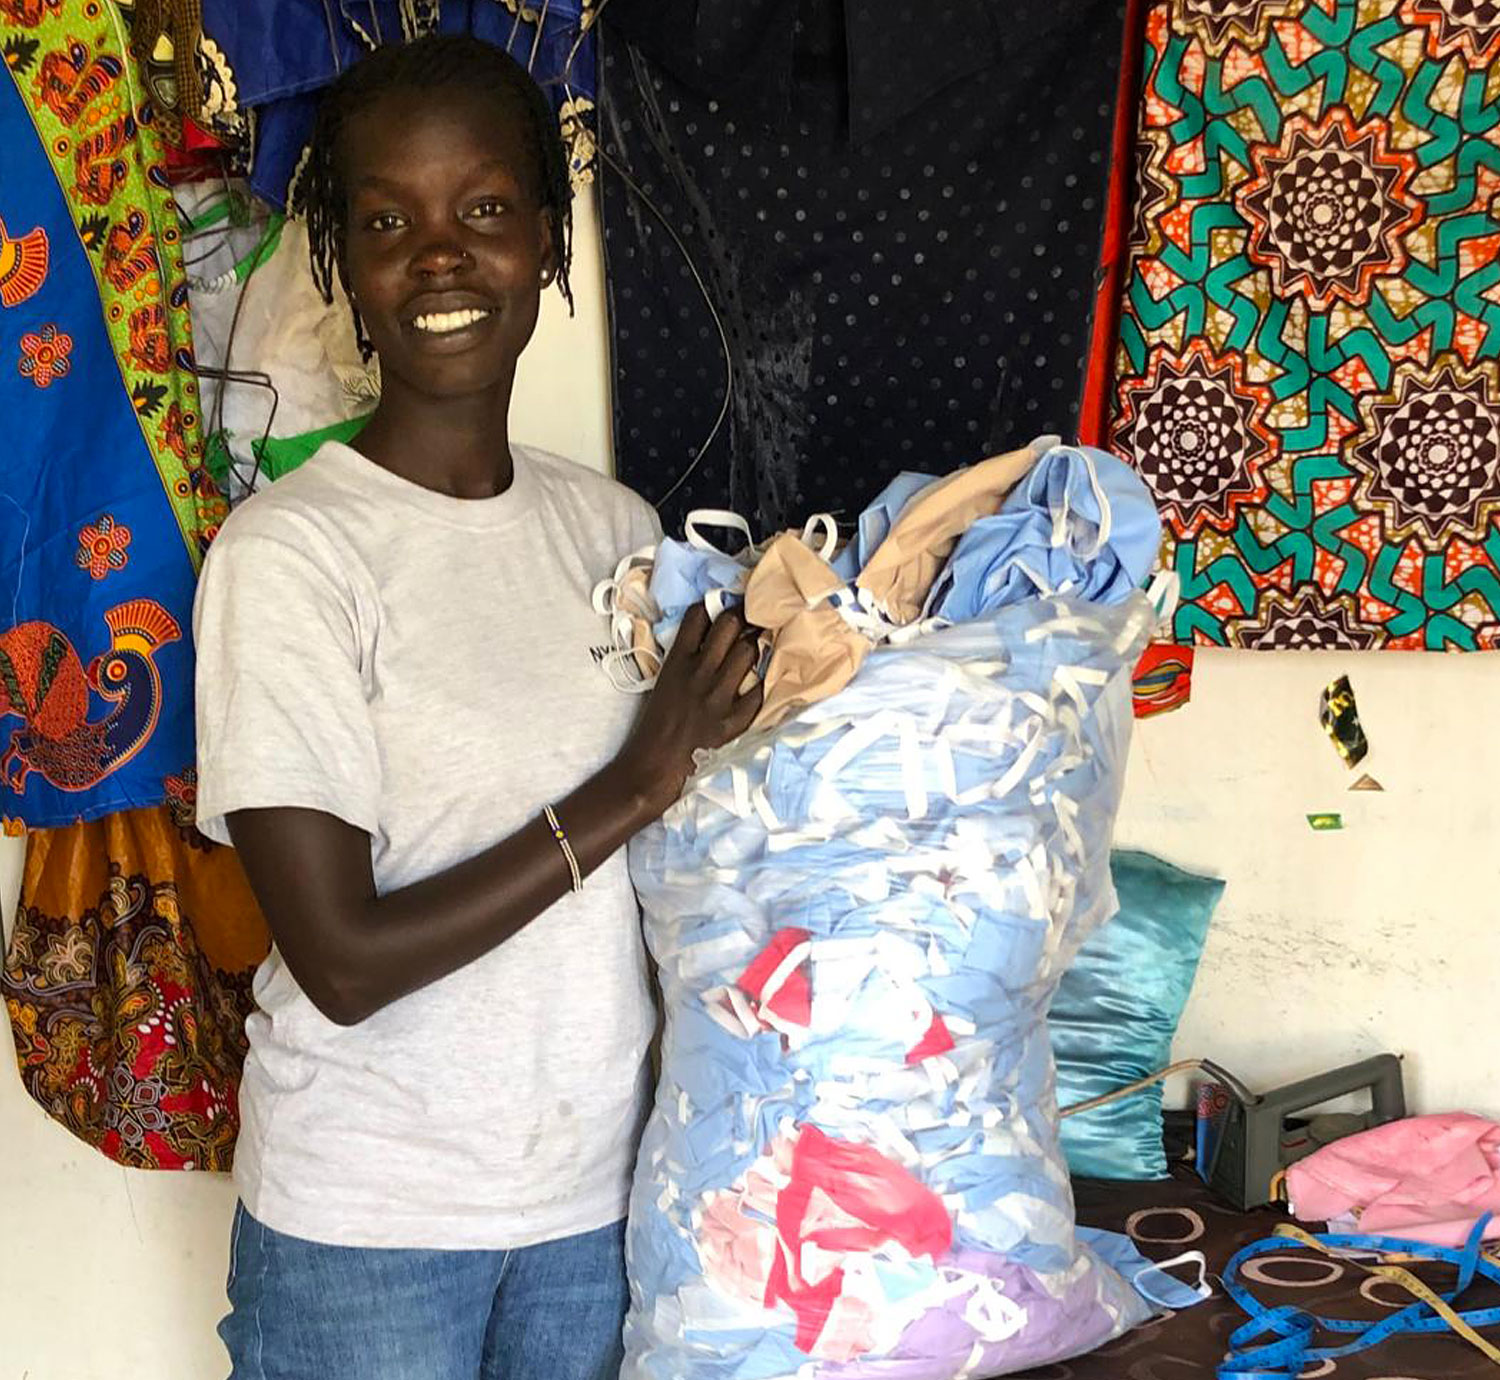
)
(852, 1168)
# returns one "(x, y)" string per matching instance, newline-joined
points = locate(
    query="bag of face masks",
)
(852, 1170)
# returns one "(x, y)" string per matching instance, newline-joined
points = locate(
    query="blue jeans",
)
(304, 1311)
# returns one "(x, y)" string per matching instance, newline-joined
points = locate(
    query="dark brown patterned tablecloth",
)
(1179, 1214)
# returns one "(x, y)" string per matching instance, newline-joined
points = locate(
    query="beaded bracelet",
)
(561, 836)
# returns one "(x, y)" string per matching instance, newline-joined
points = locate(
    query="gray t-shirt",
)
(423, 667)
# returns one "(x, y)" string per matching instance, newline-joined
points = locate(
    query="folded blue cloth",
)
(1082, 523)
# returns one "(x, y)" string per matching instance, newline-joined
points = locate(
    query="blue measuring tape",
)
(1278, 1342)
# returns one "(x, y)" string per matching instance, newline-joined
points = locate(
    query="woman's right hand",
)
(696, 704)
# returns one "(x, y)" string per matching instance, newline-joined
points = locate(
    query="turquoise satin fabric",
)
(1116, 1013)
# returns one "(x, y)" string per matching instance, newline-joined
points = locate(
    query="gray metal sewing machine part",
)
(1255, 1144)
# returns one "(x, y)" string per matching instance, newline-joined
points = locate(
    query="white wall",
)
(1327, 946)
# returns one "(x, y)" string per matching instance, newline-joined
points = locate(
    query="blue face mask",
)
(872, 783)
(1082, 522)
(1151, 1281)
(658, 1249)
(685, 575)
(876, 522)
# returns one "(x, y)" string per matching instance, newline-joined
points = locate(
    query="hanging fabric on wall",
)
(128, 984)
(281, 53)
(188, 82)
(1163, 680)
(1115, 249)
(896, 222)
(282, 371)
(1306, 373)
(105, 504)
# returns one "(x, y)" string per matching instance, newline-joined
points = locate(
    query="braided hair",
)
(438, 61)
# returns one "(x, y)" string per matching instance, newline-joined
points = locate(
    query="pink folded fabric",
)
(1428, 1178)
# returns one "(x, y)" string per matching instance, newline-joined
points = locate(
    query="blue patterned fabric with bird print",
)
(105, 507)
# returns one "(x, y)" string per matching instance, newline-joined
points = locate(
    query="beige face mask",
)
(901, 572)
(814, 652)
(634, 599)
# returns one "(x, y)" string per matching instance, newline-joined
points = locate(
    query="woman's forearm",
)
(354, 950)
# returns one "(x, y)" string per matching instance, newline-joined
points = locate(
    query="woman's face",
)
(447, 244)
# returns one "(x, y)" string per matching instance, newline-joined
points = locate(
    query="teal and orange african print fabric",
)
(1306, 371)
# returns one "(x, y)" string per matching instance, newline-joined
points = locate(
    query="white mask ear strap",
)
(821, 523)
(1063, 511)
(1202, 1288)
(714, 517)
(624, 671)
(603, 598)
(716, 601)
(1106, 511)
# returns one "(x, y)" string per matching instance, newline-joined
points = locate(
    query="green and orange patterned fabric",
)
(1306, 368)
(127, 977)
(105, 504)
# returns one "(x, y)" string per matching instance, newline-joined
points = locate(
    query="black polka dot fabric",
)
(903, 260)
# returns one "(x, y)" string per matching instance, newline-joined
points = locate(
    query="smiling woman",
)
(442, 238)
(400, 731)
